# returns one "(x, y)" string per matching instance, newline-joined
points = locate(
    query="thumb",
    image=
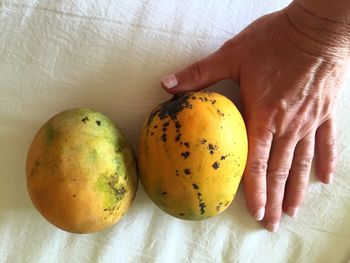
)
(202, 73)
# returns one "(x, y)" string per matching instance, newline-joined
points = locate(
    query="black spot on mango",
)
(185, 155)
(163, 137)
(85, 119)
(216, 165)
(195, 186)
(177, 125)
(178, 137)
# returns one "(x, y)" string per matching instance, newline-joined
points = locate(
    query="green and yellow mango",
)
(81, 172)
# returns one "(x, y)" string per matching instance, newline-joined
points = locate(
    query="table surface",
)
(109, 55)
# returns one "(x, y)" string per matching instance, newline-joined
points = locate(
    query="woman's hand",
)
(290, 66)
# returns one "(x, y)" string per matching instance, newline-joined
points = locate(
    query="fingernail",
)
(259, 214)
(292, 211)
(169, 81)
(272, 227)
(328, 179)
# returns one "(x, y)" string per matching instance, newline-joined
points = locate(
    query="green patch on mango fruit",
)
(50, 134)
(111, 187)
(93, 155)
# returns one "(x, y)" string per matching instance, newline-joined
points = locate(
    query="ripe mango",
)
(192, 154)
(81, 172)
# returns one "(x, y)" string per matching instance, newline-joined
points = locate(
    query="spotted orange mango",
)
(192, 154)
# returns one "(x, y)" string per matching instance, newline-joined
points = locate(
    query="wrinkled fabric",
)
(109, 55)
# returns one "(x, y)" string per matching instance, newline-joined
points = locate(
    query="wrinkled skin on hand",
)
(290, 66)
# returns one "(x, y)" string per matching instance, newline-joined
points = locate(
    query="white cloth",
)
(109, 55)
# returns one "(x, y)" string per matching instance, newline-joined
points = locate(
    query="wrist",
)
(336, 11)
(317, 35)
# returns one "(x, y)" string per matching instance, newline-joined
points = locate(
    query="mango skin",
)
(81, 172)
(192, 154)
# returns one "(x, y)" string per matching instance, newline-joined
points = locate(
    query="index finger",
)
(259, 147)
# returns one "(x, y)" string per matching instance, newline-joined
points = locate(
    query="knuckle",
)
(261, 143)
(260, 192)
(278, 177)
(267, 125)
(330, 142)
(275, 207)
(258, 166)
(282, 105)
(259, 196)
(263, 115)
(266, 113)
(298, 127)
(332, 159)
(299, 122)
(303, 164)
(274, 210)
(196, 72)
